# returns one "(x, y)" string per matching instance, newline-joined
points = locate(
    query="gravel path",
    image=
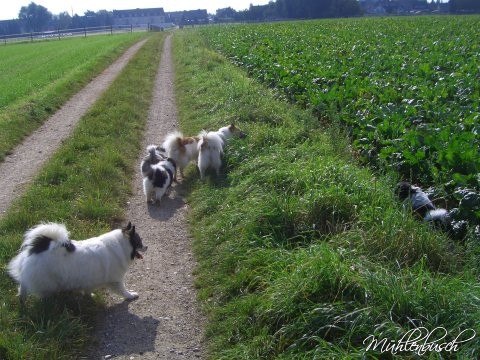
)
(164, 323)
(19, 168)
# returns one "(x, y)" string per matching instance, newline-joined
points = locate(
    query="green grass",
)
(85, 185)
(303, 253)
(38, 78)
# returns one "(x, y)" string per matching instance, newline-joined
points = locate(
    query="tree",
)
(36, 17)
(62, 21)
(10, 27)
(464, 6)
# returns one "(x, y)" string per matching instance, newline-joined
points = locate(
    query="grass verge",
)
(303, 253)
(39, 78)
(85, 185)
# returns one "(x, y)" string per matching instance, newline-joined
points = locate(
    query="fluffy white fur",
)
(65, 264)
(210, 150)
(211, 145)
(181, 149)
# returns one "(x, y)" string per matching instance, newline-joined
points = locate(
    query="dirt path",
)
(164, 323)
(23, 164)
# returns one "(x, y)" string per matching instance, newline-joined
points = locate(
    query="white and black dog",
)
(211, 146)
(50, 262)
(422, 205)
(158, 174)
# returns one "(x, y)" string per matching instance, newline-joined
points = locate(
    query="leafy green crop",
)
(408, 89)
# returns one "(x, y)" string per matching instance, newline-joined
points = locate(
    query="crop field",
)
(37, 78)
(303, 252)
(408, 89)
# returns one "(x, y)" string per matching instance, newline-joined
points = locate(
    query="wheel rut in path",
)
(165, 321)
(19, 168)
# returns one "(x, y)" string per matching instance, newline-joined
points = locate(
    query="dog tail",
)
(154, 156)
(155, 152)
(438, 217)
(210, 140)
(172, 142)
(39, 238)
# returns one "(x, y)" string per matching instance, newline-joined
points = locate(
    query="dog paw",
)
(131, 295)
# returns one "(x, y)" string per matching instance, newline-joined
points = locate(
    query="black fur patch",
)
(159, 178)
(171, 176)
(136, 243)
(39, 245)
(69, 246)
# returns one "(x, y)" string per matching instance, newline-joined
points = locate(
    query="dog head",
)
(404, 190)
(237, 131)
(230, 131)
(135, 241)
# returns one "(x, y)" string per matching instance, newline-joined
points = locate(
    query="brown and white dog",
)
(181, 149)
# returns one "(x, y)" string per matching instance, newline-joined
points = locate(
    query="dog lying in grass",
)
(50, 262)
(422, 205)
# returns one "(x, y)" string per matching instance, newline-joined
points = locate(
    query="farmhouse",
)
(189, 17)
(138, 17)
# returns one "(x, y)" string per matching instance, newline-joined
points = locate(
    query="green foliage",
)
(406, 88)
(302, 253)
(85, 186)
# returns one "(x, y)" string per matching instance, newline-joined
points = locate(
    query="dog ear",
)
(128, 227)
(133, 230)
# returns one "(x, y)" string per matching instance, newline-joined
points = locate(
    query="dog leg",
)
(22, 294)
(119, 288)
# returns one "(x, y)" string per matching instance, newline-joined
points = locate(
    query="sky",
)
(9, 9)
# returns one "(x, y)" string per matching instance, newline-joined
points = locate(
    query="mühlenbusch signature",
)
(420, 341)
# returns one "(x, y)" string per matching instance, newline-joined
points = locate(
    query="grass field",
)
(85, 185)
(407, 89)
(42, 76)
(303, 254)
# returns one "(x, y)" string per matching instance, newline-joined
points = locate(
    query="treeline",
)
(464, 6)
(293, 9)
(36, 18)
(313, 9)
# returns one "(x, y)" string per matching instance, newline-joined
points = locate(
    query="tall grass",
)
(85, 185)
(302, 253)
(38, 78)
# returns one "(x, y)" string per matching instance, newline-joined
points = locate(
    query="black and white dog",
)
(422, 205)
(158, 174)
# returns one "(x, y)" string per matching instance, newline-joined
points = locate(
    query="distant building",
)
(139, 17)
(190, 17)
